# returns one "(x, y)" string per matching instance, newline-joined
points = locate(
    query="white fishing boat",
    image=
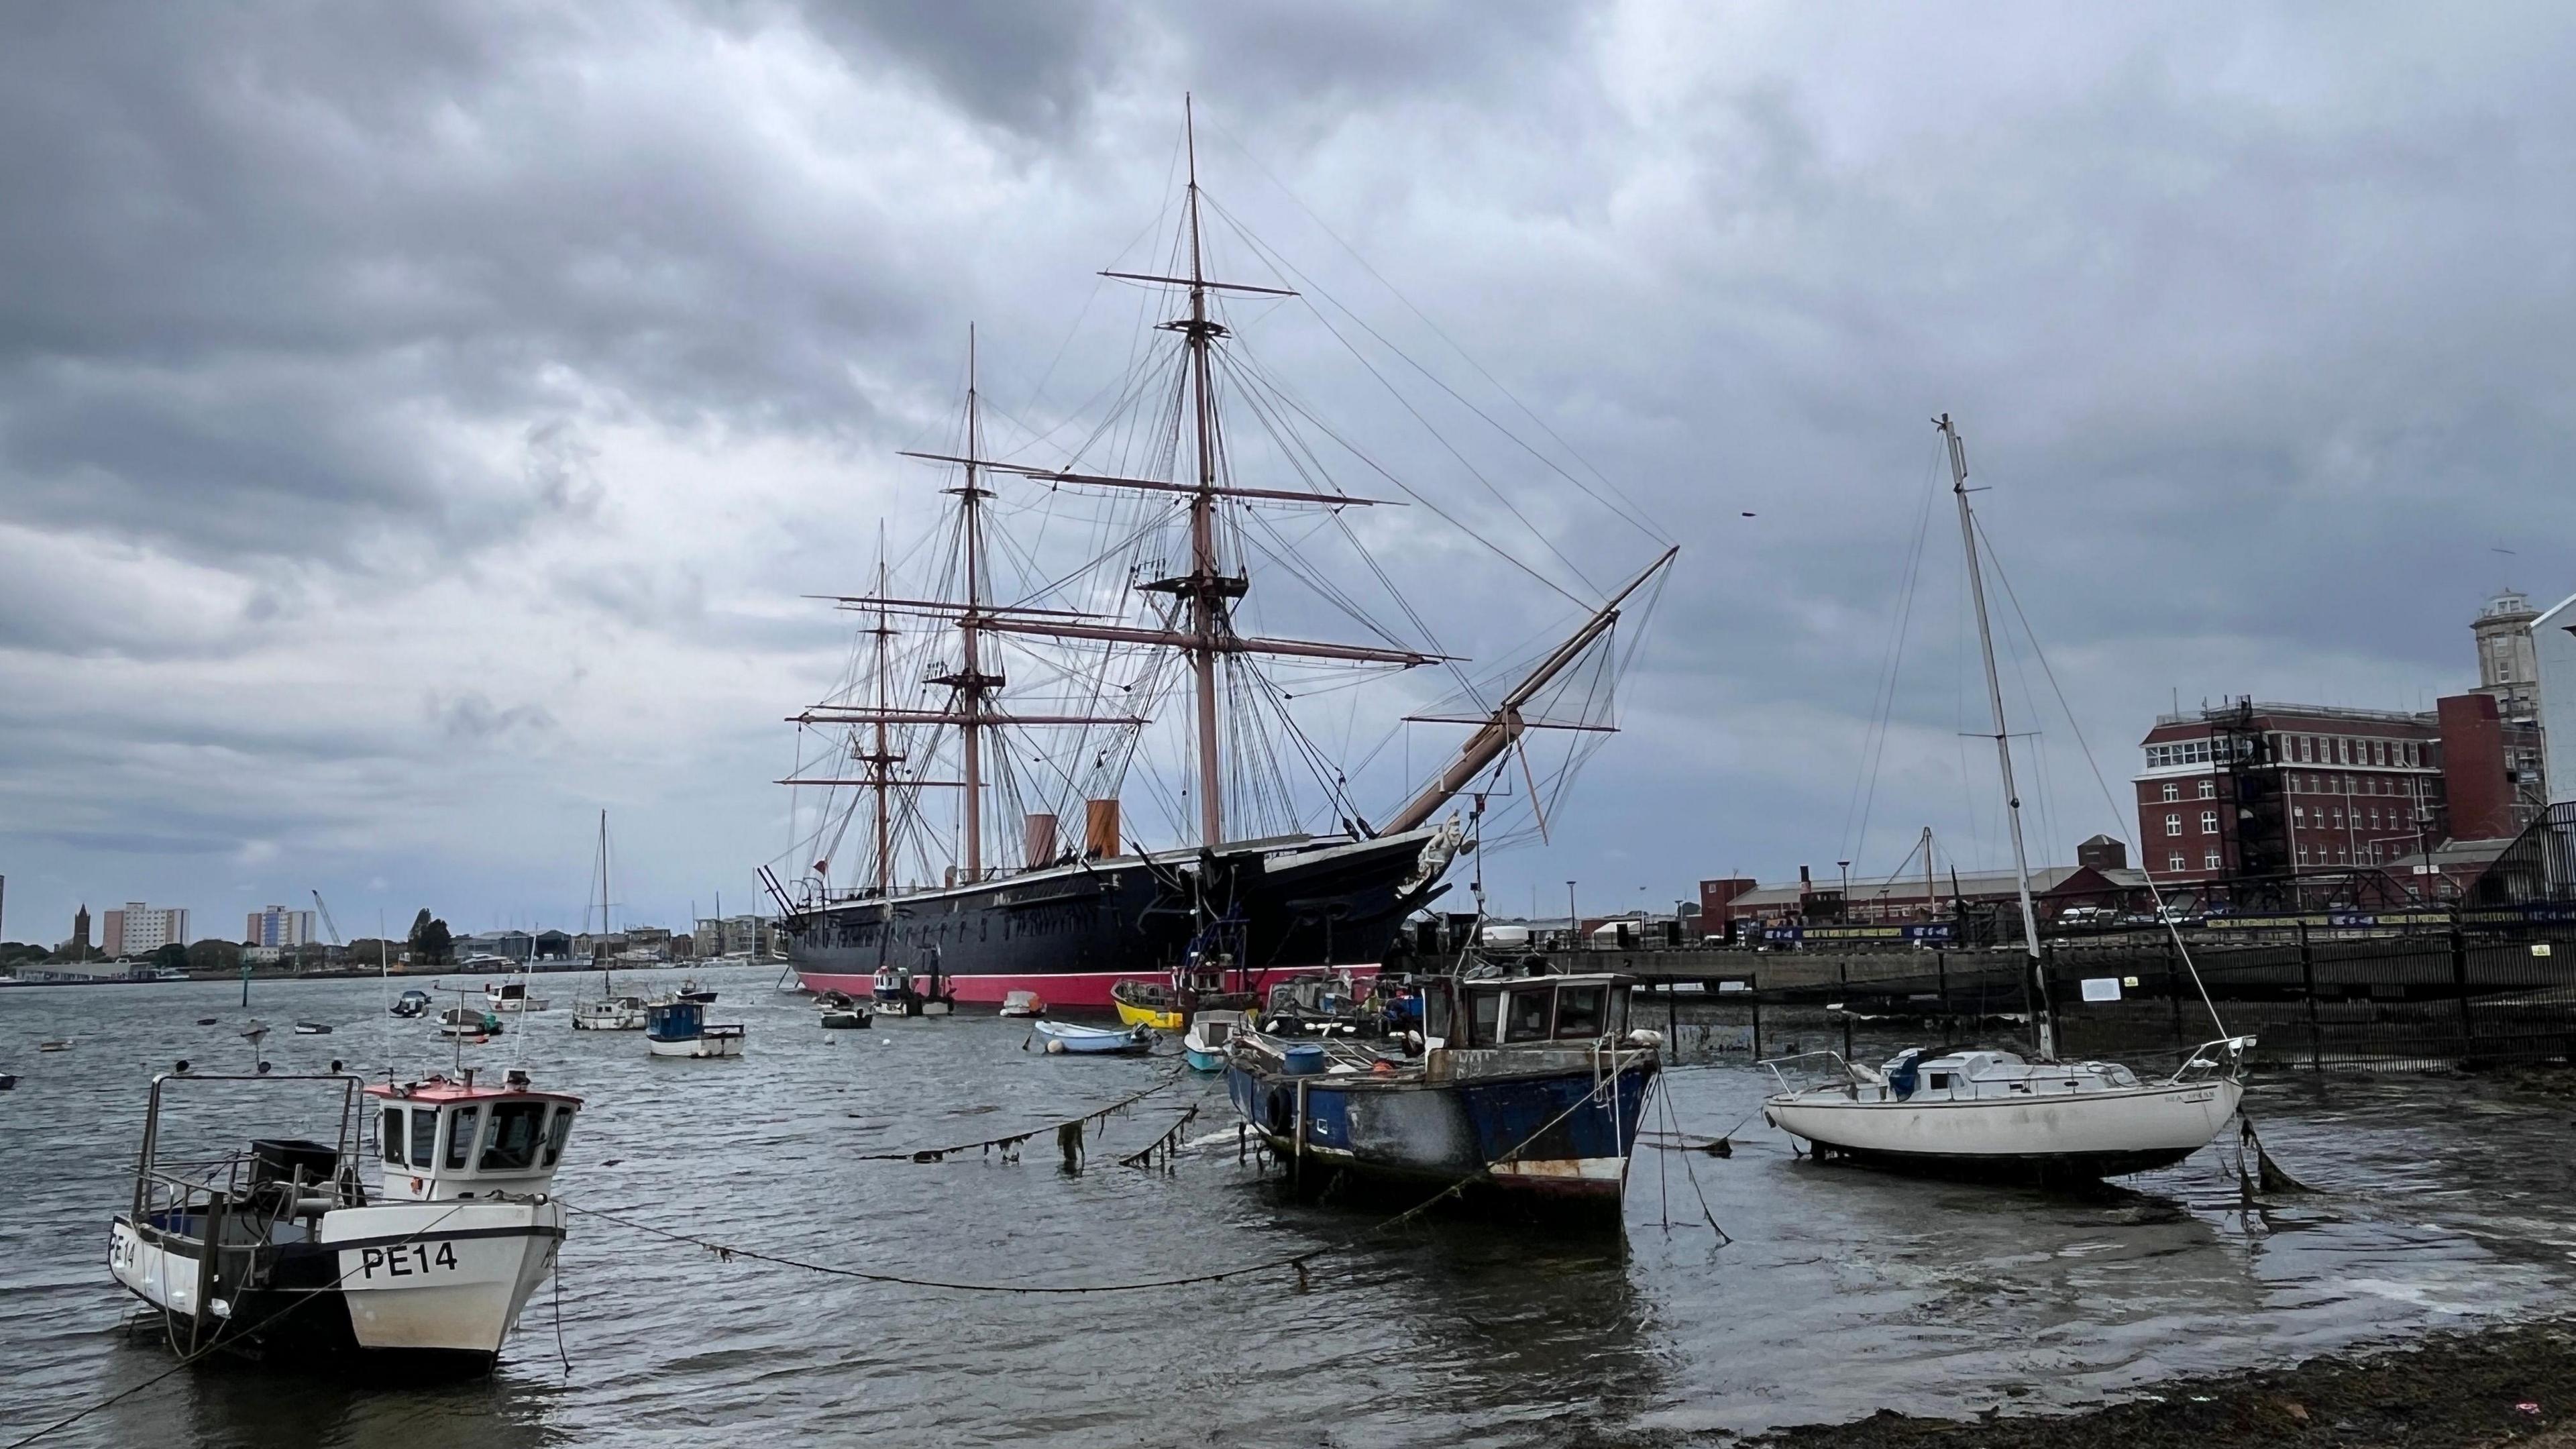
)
(512, 996)
(465, 1021)
(1993, 1112)
(283, 1249)
(681, 1029)
(610, 1013)
(1204, 1043)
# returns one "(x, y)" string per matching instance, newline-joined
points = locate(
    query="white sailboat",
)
(1993, 1112)
(609, 1011)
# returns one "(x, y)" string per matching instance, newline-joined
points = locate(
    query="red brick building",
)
(2258, 795)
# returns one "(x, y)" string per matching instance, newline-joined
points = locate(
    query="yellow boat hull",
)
(1148, 1016)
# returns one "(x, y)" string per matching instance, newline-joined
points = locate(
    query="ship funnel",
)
(1100, 827)
(1038, 832)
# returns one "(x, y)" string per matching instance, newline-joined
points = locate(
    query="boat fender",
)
(1055, 1048)
(1645, 1037)
(1382, 1067)
(180, 1066)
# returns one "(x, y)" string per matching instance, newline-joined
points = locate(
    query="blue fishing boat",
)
(1064, 1036)
(1525, 1092)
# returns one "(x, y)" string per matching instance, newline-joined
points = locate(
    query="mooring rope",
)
(1012, 1142)
(727, 1252)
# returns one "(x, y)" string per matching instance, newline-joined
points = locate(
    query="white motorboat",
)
(611, 1013)
(283, 1248)
(680, 1029)
(1981, 1112)
(465, 1021)
(511, 996)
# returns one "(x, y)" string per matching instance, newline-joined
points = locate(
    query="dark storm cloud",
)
(261, 262)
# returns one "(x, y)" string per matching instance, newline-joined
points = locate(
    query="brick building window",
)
(2209, 822)
(2173, 791)
(2303, 855)
(2299, 815)
(2174, 863)
(2173, 825)
(2209, 789)
(2210, 860)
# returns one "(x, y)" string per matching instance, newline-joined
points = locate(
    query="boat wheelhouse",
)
(609, 1013)
(511, 996)
(681, 1029)
(282, 1246)
(1525, 1093)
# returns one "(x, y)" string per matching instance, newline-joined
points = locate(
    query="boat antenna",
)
(2043, 1019)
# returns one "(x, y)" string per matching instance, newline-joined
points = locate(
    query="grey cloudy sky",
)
(418, 422)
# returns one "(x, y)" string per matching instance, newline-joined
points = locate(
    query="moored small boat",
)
(1204, 1043)
(285, 1251)
(59, 1044)
(838, 1012)
(1146, 1003)
(8, 1081)
(692, 991)
(467, 1022)
(311, 1028)
(610, 1013)
(1523, 1093)
(681, 1029)
(1063, 1037)
(1022, 1003)
(413, 1002)
(511, 996)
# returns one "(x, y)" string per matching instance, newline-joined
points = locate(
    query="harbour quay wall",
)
(2426, 998)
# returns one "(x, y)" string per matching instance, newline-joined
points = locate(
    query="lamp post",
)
(1845, 867)
(1573, 922)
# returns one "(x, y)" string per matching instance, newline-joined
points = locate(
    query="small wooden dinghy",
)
(1062, 1037)
(59, 1045)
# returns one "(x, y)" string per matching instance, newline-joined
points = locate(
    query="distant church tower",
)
(80, 928)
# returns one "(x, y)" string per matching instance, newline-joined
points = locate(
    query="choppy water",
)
(1842, 1292)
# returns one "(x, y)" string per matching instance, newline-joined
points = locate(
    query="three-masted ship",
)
(1068, 913)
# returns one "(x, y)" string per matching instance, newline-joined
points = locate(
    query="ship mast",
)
(2003, 738)
(881, 763)
(1207, 607)
(971, 683)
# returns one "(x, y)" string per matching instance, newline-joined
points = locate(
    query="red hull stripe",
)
(1071, 988)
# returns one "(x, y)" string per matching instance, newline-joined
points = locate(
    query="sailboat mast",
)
(880, 766)
(605, 979)
(2003, 738)
(970, 702)
(1204, 616)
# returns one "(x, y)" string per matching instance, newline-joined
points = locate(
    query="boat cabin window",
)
(1528, 1017)
(424, 1136)
(556, 1134)
(460, 1137)
(1937, 1081)
(389, 1132)
(516, 1128)
(1578, 1011)
(1487, 1008)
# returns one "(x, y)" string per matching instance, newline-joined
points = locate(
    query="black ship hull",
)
(1069, 932)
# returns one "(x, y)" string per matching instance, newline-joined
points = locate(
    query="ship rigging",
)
(1030, 685)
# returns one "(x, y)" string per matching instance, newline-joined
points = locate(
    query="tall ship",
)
(1073, 636)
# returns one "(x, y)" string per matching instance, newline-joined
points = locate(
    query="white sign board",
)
(2101, 988)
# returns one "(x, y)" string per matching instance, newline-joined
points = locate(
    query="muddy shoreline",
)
(2478, 1387)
